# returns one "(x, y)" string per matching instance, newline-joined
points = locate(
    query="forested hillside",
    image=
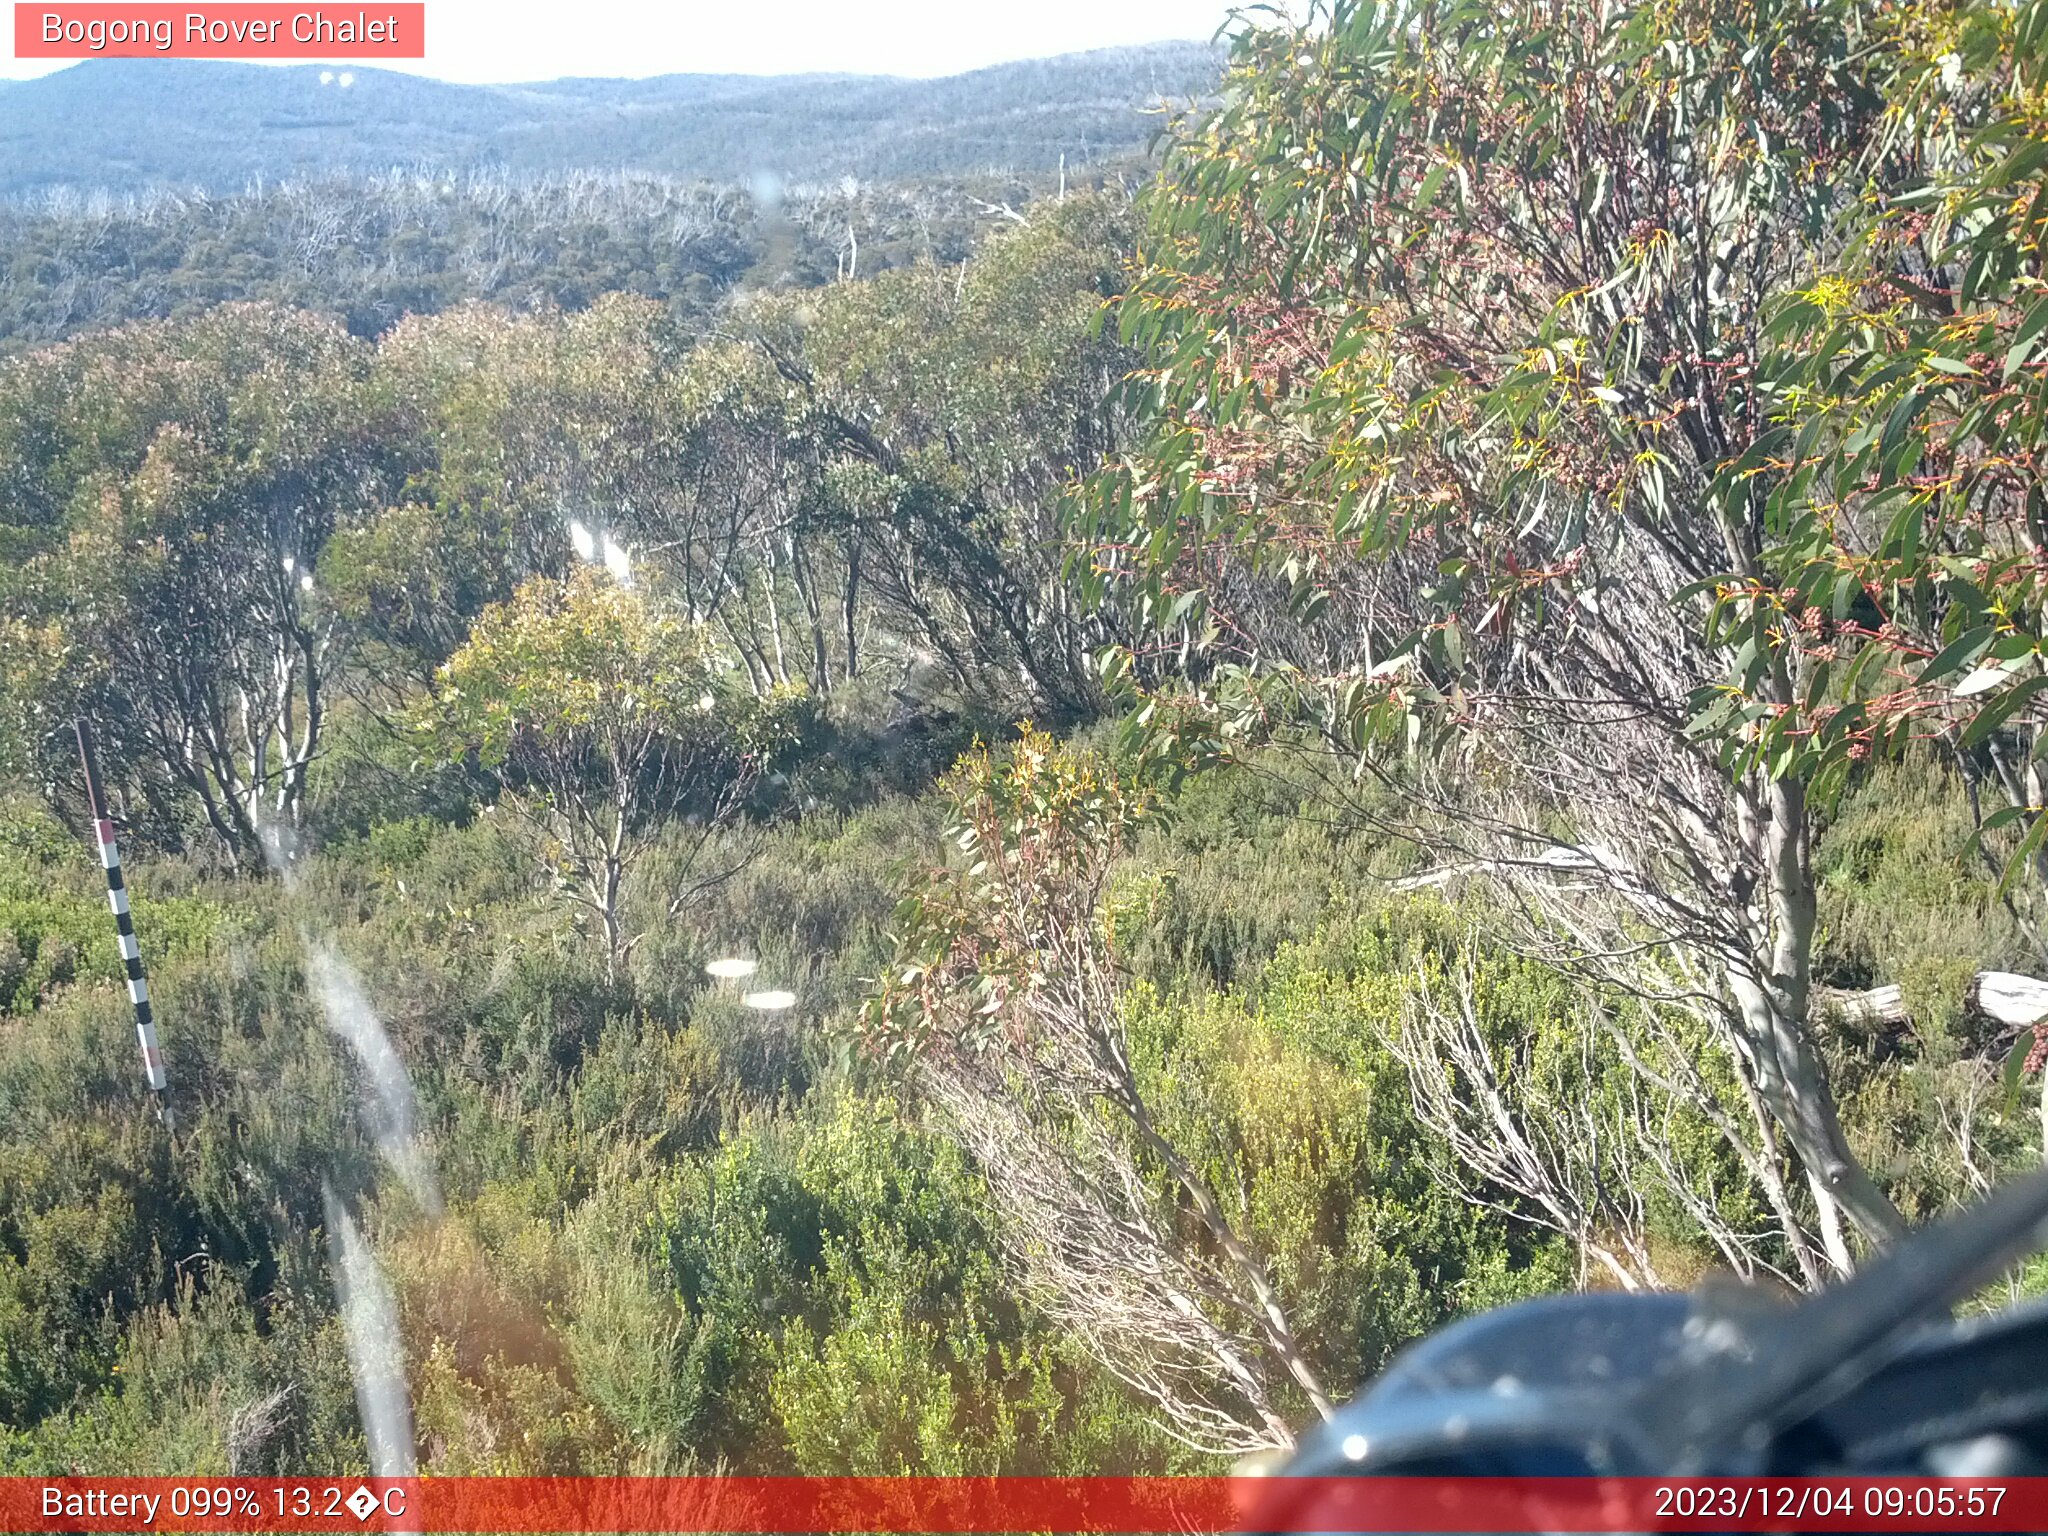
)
(144, 188)
(369, 251)
(131, 125)
(1030, 855)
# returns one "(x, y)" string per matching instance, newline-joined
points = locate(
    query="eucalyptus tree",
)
(1451, 316)
(541, 425)
(878, 466)
(1907, 381)
(972, 395)
(1900, 473)
(172, 488)
(601, 717)
(542, 419)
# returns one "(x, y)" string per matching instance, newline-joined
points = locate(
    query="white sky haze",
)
(503, 41)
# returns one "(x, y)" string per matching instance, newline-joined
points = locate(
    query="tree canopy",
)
(602, 717)
(1467, 445)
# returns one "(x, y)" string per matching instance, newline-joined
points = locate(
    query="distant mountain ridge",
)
(127, 125)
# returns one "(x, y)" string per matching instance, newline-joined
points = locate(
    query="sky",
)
(503, 41)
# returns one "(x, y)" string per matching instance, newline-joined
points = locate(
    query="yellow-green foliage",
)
(586, 661)
(1287, 1094)
(54, 924)
(683, 1235)
(1899, 889)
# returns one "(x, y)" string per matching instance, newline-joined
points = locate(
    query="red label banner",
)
(220, 31)
(1106, 1505)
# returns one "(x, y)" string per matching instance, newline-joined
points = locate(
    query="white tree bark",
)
(2001, 996)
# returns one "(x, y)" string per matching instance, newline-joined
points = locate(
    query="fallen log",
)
(2002, 996)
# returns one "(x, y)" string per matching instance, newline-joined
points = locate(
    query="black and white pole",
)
(124, 924)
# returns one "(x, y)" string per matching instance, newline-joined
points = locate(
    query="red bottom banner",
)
(1113, 1506)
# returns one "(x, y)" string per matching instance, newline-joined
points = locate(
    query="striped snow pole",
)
(124, 924)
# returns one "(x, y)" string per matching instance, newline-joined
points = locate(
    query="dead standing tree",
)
(1555, 1137)
(1519, 1141)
